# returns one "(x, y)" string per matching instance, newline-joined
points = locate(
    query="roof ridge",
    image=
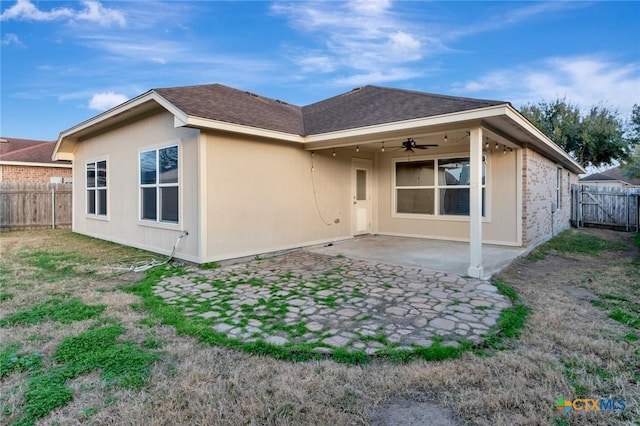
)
(248, 92)
(435, 95)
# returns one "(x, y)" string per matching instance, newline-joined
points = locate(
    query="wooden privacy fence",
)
(34, 205)
(606, 207)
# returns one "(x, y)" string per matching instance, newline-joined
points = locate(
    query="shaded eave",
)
(501, 122)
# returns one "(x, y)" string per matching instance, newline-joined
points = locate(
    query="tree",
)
(593, 139)
(631, 167)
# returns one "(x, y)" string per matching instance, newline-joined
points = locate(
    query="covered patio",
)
(450, 257)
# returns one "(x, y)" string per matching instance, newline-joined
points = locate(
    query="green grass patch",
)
(350, 357)
(58, 262)
(626, 318)
(4, 296)
(60, 310)
(121, 364)
(575, 242)
(620, 309)
(210, 265)
(11, 360)
(510, 324)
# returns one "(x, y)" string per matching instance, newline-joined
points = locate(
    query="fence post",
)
(626, 205)
(53, 208)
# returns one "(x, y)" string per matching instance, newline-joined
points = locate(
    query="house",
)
(611, 177)
(245, 174)
(26, 160)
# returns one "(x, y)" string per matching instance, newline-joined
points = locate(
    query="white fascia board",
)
(206, 123)
(130, 104)
(519, 119)
(445, 119)
(26, 163)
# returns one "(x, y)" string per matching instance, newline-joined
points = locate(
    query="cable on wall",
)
(315, 194)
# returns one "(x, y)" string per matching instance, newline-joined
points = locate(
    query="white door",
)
(361, 188)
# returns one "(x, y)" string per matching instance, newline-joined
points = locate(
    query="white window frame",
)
(559, 173)
(157, 185)
(437, 187)
(96, 188)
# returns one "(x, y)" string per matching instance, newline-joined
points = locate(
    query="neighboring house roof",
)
(33, 152)
(363, 115)
(613, 174)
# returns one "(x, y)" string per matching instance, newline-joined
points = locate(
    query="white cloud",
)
(93, 12)
(362, 39)
(375, 77)
(27, 11)
(583, 80)
(370, 6)
(404, 47)
(106, 100)
(496, 20)
(317, 63)
(12, 39)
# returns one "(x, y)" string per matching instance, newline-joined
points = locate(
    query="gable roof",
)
(28, 151)
(612, 174)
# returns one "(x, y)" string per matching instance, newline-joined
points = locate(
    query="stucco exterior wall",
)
(121, 147)
(36, 174)
(499, 227)
(539, 182)
(260, 196)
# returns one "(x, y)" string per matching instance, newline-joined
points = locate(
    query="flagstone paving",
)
(328, 302)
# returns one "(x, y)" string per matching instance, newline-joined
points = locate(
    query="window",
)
(96, 177)
(159, 185)
(435, 187)
(559, 188)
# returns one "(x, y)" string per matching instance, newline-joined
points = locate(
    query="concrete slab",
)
(436, 255)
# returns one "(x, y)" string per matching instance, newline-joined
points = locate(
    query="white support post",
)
(475, 269)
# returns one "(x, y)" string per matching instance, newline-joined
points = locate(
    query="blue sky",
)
(64, 62)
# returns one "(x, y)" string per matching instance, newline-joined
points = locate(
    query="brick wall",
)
(10, 173)
(539, 183)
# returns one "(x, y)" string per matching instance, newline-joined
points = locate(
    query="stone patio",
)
(328, 302)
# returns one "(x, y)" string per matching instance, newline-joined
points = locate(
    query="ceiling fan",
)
(410, 145)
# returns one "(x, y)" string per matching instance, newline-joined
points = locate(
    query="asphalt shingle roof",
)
(27, 150)
(218, 102)
(365, 106)
(614, 173)
(371, 105)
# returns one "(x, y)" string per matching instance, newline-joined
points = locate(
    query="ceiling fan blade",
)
(423, 146)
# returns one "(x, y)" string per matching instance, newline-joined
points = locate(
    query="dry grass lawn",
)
(569, 347)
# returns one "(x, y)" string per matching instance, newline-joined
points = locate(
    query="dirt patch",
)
(407, 412)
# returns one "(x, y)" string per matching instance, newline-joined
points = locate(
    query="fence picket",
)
(606, 206)
(29, 205)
